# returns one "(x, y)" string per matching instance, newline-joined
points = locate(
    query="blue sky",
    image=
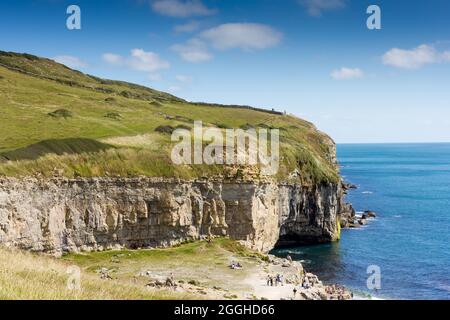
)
(313, 58)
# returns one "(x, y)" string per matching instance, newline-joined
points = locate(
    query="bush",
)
(184, 119)
(182, 126)
(61, 113)
(194, 283)
(126, 94)
(156, 104)
(113, 115)
(247, 126)
(222, 126)
(165, 129)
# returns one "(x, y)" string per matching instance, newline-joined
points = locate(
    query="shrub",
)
(113, 115)
(247, 126)
(126, 94)
(184, 119)
(165, 129)
(194, 282)
(156, 104)
(182, 126)
(222, 126)
(61, 113)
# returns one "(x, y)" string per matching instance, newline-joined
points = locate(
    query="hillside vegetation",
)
(57, 119)
(33, 276)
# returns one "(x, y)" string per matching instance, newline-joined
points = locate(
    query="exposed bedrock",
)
(62, 215)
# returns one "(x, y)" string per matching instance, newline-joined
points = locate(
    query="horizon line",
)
(410, 142)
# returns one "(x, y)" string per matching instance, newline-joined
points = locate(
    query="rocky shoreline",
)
(349, 219)
(296, 284)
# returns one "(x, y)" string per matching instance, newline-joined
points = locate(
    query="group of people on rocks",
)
(235, 265)
(275, 280)
(304, 285)
(336, 291)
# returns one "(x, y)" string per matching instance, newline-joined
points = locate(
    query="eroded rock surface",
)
(61, 215)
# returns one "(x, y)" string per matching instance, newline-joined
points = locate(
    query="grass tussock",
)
(113, 115)
(61, 113)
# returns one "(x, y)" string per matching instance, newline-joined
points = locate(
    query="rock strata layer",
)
(62, 215)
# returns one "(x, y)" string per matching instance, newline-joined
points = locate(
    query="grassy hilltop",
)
(54, 118)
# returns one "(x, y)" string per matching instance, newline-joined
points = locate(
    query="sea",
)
(407, 246)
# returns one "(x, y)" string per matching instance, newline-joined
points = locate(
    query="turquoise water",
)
(408, 185)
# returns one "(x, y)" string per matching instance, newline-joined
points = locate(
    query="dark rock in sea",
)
(362, 222)
(370, 214)
(348, 186)
(347, 215)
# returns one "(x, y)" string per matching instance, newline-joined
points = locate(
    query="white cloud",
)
(141, 60)
(71, 61)
(181, 8)
(347, 74)
(173, 89)
(315, 8)
(446, 56)
(194, 51)
(187, 27)
(112, 58)
(246, 36)
(415, 58)
(183, 78)
(154, 77)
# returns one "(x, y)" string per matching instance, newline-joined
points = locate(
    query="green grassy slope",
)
(55, 146)
(46, 103)
(32, 276)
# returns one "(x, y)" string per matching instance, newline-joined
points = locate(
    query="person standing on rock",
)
(279, 280)
(289, 258)
(170, 282)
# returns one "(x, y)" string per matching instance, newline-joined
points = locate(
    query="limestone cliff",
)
(61, 215)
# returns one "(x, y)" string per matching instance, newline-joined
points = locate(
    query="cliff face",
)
(84, 214)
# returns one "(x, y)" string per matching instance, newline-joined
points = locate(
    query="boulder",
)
(370, 214)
